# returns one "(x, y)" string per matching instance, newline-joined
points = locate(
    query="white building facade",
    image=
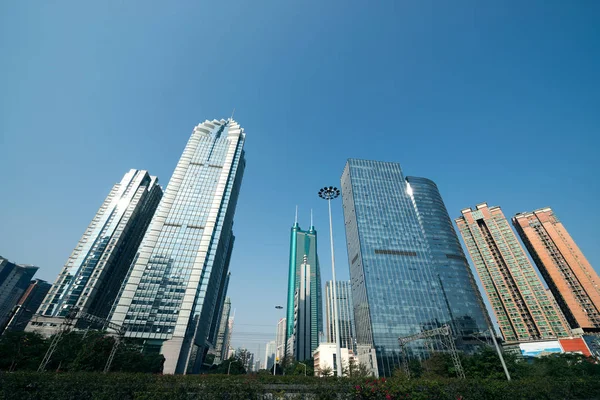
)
(175, 286)
(326, 359)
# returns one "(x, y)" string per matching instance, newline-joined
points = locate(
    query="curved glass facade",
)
(408, 272)
(459, 289)
(395, 289)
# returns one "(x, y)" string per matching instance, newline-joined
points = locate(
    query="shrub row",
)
(97, 386)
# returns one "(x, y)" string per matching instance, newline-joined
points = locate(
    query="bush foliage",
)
(73, 374)
(122, 386)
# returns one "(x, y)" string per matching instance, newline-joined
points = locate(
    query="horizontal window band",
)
(455, 257)
(396, 252)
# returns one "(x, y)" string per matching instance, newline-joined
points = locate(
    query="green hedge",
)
(120, 386)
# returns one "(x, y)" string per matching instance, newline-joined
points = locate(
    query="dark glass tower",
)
(28, 304)
(14, 280)
(303, 249)
(398, 271)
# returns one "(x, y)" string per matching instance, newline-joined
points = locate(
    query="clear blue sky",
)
(494, 101)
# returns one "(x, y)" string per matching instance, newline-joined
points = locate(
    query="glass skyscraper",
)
(398, 273)
(345, 313)
(178, 280)
(459, 289)
(94, 273)
(303, 251)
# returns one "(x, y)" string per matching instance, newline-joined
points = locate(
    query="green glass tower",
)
(303, 251)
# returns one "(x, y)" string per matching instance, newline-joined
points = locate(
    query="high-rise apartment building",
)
(572, 280)
(345, 313)
(175, 286)
(404, 262)
(28, 304)
(522, 307)
(280, 339)
(14, 280)
(94, 273)
(223, 333)
(303, 252)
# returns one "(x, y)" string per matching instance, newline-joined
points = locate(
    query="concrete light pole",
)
(330, 193)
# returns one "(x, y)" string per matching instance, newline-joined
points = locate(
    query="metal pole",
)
(335, 310)
(229, 367)
(500, 354)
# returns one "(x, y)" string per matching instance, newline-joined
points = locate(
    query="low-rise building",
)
(326, 360)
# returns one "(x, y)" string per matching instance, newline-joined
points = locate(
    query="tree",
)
(232, 365)
(325, 371)
(354, 369)
(93, 352)
(439, 365)
(244, 357)
(21, 350)
(486, 364)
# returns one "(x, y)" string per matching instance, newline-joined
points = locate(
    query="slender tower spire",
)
(311, 219)
(296, 219)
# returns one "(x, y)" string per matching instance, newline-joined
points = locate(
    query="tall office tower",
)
(523, 309)
(303, 251)
(567, 272)
(301, 340)
(221, 345)
(14, 280)
(95, 271)
(173, 289)
(269, 355)
(345, 313)
(280, 339)
(396, 277)
(459, 289)
(28, 304)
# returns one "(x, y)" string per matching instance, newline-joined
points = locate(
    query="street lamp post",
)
(500, 354)
(304, 367)
(229, 366)
(493, 334)
(330, 193)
